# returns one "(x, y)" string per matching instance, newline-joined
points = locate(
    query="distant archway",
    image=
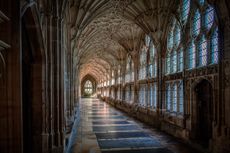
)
(88, 86)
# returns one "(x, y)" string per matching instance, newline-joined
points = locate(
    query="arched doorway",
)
(204, 111)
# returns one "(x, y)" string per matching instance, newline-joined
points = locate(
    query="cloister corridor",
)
(103, 128)
(114, 76)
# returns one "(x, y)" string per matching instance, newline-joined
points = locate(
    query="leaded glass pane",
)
(174, 62)
(209, 17)
(214, 47)
(88, 87)
(180, 67)
(177, 36)
(151, 96)
(168, 64)
(185, 10)
(191, 56)
(147, 40)
(168, 97)
(174, 98)
(202, 51)
(152, 52)
(170, 40)
(150, 70)
(181, 97)
(155, 69)
(142, 95)
(196, 24)
(154, 95)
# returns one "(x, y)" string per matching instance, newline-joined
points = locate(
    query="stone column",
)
(136, 85)
(49, 83)
(160, 75)
(61, 82)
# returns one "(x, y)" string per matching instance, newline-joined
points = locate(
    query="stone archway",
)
(33, 66)
(202, 112)
(83, 83)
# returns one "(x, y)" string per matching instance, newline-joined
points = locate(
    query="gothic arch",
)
(33, 84)
(202, 103)
(93, 81)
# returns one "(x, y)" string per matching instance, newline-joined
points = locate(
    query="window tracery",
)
(204, 38)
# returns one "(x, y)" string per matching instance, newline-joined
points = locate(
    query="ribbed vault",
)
(104, 31)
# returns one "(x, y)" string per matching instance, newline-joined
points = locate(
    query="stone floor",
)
(102, 128)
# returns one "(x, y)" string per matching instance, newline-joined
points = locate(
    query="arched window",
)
(204, 47)
(196, 23)
(88, 87)
(174, 96)
(185, 8)
(209, 17)
(142, 94)
(119, 75)
(129, 70)
(152, 61)
(174, 50)
(153, 95)
(113, 78)
(143, 64)
(191, 55)
(214, 47)
(202, 52)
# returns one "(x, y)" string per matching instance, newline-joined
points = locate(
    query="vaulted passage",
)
(111, 76)
(102, 128)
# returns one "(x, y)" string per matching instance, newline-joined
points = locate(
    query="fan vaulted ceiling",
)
(104, 31)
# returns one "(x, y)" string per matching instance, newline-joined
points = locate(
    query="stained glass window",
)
(202, 52)
(214, 47)
(174, 98)
(119, 93)
(168, 97)
(150, 70)
(170, 39)
(180, 60)
(168, 63)
(196, 24)
(88, 87)
(143, 66)
(181, 97)
(185, 10)
(154, 95)
(209, 17)
(128, 93)
(173, 50)
(151, 96)
(153, 61)
(191, 55)
(142, 96)
(129, 76)
(174, 61)
(177, 36)
(147, 41)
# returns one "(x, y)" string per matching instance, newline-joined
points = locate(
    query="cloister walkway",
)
(102, 128)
